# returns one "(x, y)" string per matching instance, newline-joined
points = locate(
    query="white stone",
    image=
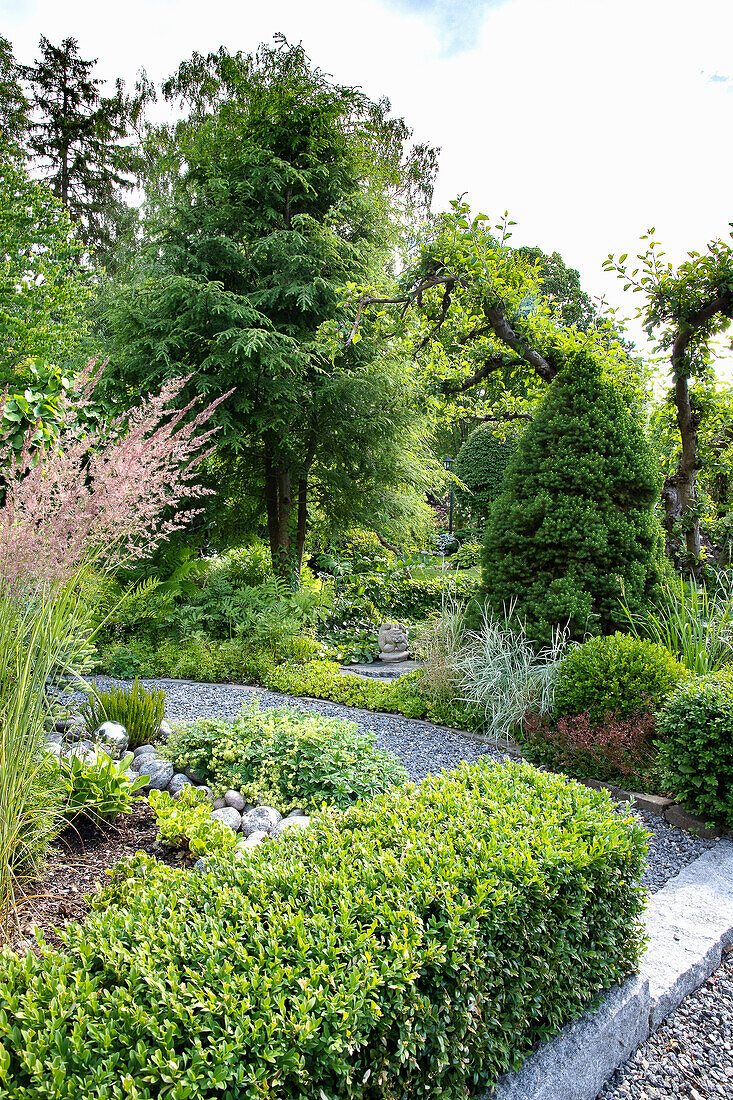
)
(228, 816)
(301, 822)
(688, 922)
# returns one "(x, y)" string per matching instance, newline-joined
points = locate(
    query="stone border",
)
(689, 923)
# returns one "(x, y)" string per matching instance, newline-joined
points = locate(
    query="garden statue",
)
(393, 642)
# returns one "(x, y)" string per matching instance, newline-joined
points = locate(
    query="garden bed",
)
(75, 864)
(424, 749)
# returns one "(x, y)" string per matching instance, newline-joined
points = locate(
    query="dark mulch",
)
(75, 863)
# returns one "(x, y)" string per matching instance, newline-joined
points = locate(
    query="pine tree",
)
(575, 530)
(76, 140)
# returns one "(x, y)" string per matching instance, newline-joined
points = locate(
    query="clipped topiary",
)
(575, 530)
(481, 464)
(620, 675)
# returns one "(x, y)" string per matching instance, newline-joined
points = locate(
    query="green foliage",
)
(274, 191)
(350, 628)
(381, 953)
(696, 729)
(77, 136)
(398, 594)
(186, 822)
(693, 624)
(407, 695)
(95, 790)
(575, 530)
(619, 675)
(139, 709)
(501, 672)
(44, 291)
(285, 758)
(481, 464)
(467, 556)
(40, 639)
(126, 660)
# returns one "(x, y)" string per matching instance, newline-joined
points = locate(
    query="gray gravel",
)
(691, 1055)
(423, 749)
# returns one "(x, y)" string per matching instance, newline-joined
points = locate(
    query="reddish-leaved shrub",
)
(614, 748)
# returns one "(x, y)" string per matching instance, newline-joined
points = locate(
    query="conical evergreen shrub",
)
(575, 529)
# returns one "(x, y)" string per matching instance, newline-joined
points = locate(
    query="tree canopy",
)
(278, 189)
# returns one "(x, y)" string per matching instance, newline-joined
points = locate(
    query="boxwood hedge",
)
(416, 945)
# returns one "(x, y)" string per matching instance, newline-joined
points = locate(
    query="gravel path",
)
(691, 1054)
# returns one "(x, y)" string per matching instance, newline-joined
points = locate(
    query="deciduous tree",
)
(685, 309)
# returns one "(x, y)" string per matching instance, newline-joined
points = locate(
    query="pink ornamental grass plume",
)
(99, 495)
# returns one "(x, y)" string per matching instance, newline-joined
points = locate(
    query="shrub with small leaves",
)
(139, 709)
(621, 674)
(186, 822)
(696, 749)
(418, 944)
(285, 758)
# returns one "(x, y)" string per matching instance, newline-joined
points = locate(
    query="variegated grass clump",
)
(503, 673)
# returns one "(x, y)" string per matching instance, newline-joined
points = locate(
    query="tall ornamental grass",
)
(94, 495)
(503, 673)
(693, 624)
(41, 637)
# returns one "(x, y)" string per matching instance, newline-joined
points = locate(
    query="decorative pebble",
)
(262, 817)
(291, 822)
(228, 816)
(177, 783)
(234, 798)
(145, 750)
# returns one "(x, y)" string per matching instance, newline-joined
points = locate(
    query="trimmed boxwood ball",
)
(481, 464)
(575, 530)
(621, 675)
(696, 751)
(415, 945)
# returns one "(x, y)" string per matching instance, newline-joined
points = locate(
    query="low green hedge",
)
(324, 680)
(696, 750)
(397, 595)
(414, 946)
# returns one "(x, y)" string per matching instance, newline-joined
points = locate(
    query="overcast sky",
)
(590, 121)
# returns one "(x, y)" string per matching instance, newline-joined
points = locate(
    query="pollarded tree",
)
(481, 465)
(575, 530)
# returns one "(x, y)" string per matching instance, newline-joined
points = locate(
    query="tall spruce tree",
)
(76, 140)
(575, 530)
